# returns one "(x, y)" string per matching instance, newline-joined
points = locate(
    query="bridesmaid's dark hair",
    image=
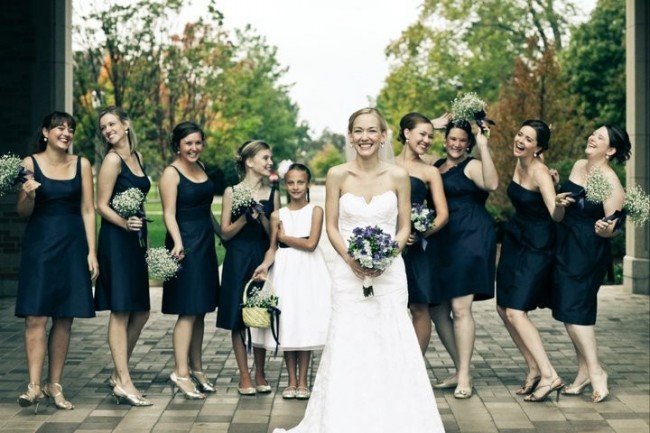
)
(465, 126)
(181, 131)
(51, 121)
(619, 140)
(410, 121)
(123, 118)
(543, 133)
(298, 167)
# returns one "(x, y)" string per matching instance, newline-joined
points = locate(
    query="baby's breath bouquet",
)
(636, 206)
(470, 107)
(242, 200)
(597, 187)
(11, 173)
(129, 203)
(372, 248)
(163, 266)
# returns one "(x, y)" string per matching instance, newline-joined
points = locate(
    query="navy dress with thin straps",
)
(195, 289)
(123, 283)
(244, 252)
(54, 280)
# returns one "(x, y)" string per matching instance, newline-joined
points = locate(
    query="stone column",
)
(36, 71)
(636, 263)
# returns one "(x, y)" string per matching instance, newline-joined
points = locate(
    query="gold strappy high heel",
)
(57, 396)
(31, 398)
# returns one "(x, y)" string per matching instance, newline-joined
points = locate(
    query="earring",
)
(406, 141)
(126, 130)
(536, 154)
(606, 156)
(351, 144)
(45, 139)
(382, 144)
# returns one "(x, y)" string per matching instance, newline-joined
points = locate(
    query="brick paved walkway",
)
(623, 335)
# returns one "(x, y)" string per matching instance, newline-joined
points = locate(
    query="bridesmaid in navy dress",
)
(123, 287)
(421, 259)
(467, 248)
(524, 275)
(583, 254)
(246, 233)
(187, 193)
(58, 261)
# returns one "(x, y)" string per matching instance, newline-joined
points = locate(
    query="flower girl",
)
(301, 281)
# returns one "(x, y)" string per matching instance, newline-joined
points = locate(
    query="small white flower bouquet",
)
(372, 248)
(597, 187)
(470, 107)
(130, 203)
(162, 265)
(11, 173)
(243, 201)
(636, 206)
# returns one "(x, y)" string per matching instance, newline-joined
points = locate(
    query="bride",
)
(372, 376)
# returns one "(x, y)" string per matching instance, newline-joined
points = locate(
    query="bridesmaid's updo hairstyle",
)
(619, 140)
(298, 167)
(246, 151)
(124, 118)
(382, 122)
(51, 121)
(465, 126)
(410, 121)
(181, 131)
(543, 133)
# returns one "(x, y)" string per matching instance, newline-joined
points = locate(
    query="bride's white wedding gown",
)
(371, 377)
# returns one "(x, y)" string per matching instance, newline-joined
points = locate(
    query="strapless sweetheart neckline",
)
(371, 198)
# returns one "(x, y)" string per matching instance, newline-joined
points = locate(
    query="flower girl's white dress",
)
(302, 283)
(371, 377)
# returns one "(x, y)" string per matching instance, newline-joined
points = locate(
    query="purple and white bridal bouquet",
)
(422, 220)
(11, 173)
(372, 248)
(471, 107)
(162, 265)
(129, 203)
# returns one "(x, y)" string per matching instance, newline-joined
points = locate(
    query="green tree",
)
(461, 46)
(595, 64)
(327, 157)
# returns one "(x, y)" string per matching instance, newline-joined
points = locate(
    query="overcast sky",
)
(334, 48)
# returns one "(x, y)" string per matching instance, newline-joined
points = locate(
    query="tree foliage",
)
(536, 90)
(230, 83)
(462, 46)
(595, 64)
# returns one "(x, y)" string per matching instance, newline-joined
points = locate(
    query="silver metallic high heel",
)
(30, 398)
(192, 394)
(202, 382)
(133, 400)
(57, 397)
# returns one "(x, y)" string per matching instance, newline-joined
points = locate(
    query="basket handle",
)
(245, 294)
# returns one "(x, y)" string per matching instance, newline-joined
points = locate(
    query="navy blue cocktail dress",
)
(195, 289)
(582, 259)
(244, 252)
(467, 244)
(54, 279)
(123, 283)
(525, 272)
(420, 261)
